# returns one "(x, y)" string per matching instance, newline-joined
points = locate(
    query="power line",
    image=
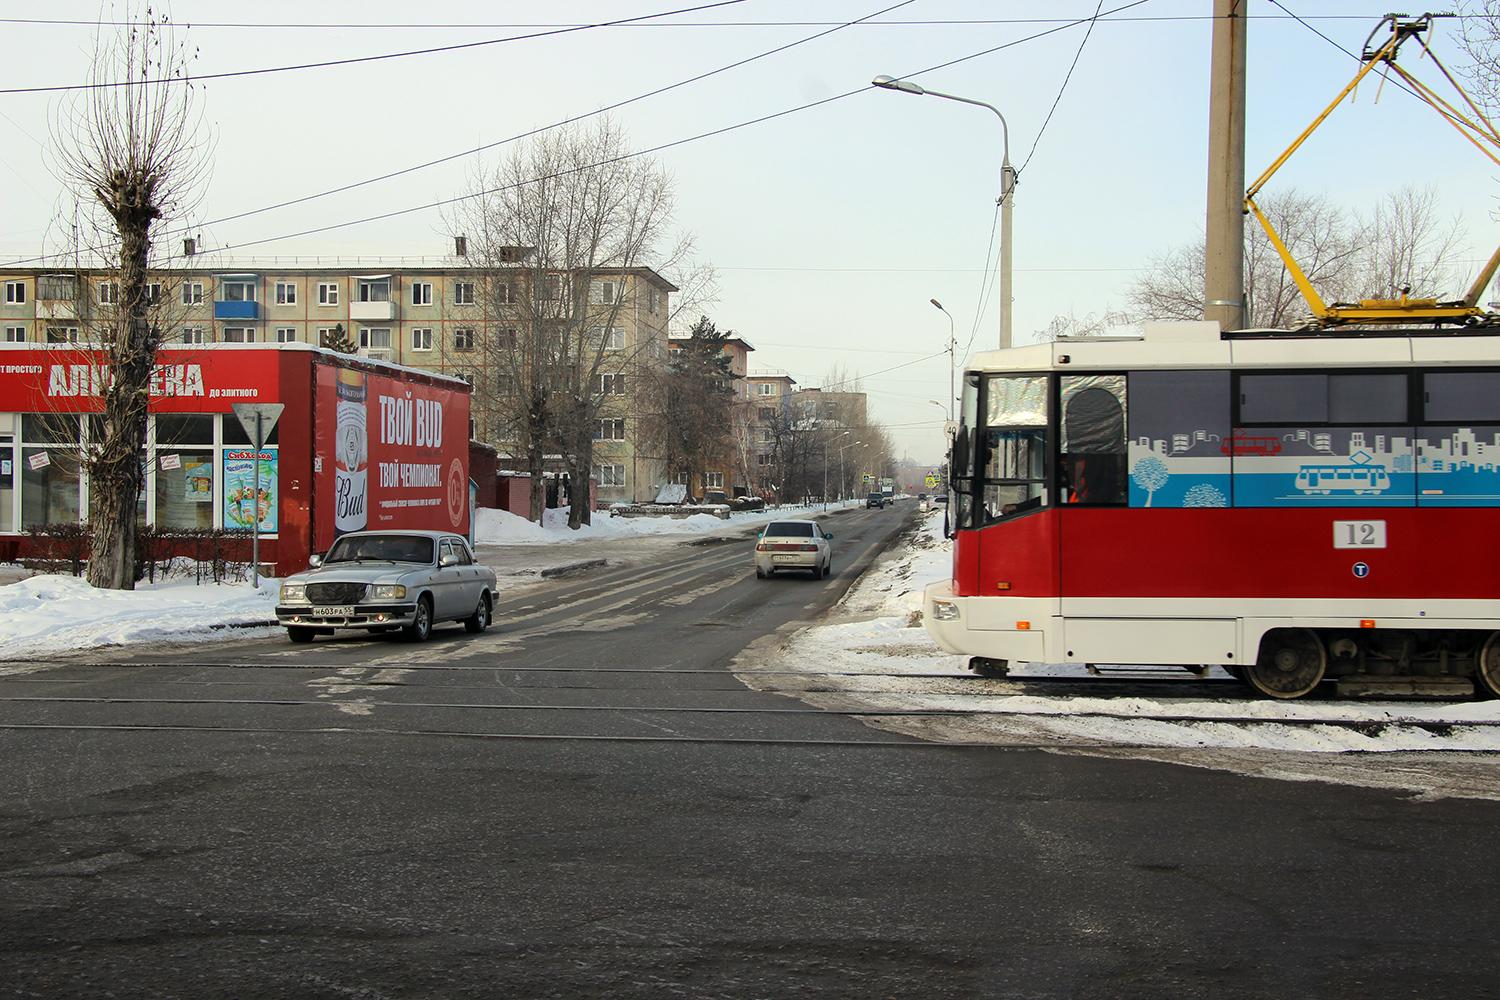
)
(443, 202)
(1060, 91)
(109, 85)
(516, 25)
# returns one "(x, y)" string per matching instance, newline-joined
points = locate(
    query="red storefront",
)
(359, 444)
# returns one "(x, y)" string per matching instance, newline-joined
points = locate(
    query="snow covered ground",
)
(500, 527)
(878, 632)
(46, 615)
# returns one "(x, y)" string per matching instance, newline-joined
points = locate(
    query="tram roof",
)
(1205, 345)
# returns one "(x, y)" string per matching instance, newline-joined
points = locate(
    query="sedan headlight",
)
(944, 611)
(388, 592)
(293, 592)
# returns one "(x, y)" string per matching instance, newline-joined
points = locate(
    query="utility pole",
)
(1224, 248)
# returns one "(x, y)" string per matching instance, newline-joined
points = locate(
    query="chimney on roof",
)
(189, 247)
(460, 246)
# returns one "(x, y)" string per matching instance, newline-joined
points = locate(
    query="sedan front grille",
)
(335, 593)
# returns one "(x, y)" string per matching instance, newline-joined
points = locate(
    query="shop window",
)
(7, 483)
(234, 433)
(50, 479)
(184, 486)
(174, 429)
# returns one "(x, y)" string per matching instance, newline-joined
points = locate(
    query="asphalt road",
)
(584, 802)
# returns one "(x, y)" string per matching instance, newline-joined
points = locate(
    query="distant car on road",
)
(793, 545)
(380, 581)
(876, 500)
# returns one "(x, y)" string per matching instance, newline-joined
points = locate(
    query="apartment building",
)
(729, 469)
(769, 393)
(439, 314)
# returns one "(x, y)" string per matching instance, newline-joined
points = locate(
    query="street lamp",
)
(825, 468)
(952, 347)
(845, 448)
(1007, 188)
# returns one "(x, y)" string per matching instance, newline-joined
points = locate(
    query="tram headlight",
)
(944, 611)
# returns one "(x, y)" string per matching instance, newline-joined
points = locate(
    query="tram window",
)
(963, 450)
(1461, 397)
(1008, 499)
(1016, 400)
(1093, 463)
(1015, 453)
(1367, 399)
(1284, 399)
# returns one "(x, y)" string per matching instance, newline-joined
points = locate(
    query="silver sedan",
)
(800, 545)
(381, 581)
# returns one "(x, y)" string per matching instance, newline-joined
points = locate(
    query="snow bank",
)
(501, 527)
(53, 614)
(881, 638)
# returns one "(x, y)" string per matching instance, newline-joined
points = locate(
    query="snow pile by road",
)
(877, 656)
(501, 527)
(53, 614)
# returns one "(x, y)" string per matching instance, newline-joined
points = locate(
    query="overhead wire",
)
(354, 60)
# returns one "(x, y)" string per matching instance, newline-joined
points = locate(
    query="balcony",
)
(57, 308)
(236, 310)
(379, 312)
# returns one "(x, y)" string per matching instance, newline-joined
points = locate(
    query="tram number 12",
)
(1359, 534)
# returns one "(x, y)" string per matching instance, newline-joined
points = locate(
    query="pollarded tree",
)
(132, 148)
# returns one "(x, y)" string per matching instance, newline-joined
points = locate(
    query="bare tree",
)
(1345, 257)
(1073, 325)
(131, 147)
(699, 402)
(565, 226)
(1481, 42)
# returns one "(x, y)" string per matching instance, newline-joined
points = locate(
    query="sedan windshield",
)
(790, 529)
(381, 548)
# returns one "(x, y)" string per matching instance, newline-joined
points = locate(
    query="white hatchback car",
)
(801, 545)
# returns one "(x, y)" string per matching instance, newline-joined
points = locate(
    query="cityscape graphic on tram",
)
(1313, 467)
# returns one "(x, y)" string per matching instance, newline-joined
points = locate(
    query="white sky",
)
(832, 227)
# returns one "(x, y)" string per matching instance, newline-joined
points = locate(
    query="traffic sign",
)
(258, 419)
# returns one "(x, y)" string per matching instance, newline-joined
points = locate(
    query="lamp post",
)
(845, 448)
(952, 347)
(825, 468)
(1007, 188)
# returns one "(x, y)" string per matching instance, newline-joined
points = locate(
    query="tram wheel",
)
(1488, 672)
(986, 667)
(1290, 664)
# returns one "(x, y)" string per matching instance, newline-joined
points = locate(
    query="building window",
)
(62, 334)
(15, 335)
(653, 299)
(611, 475)
(153, 292)
(237, 290)
(421, 293)
(713, 480)
(766, 437)
(765, 389)
(609, 385)
(192, 335)
(606, 292)
(286, 293)
(612, 429)
(421, 338)
(57, 287)
(466, 376)
(378, 338)
(463, 293)
(505, 293)
(766, 413)
(463, 338)
(192, 293)
(15, 292)
(552, 288)
(374, 289)
(328, 294)
(762, 459)
(239, 335)
(505, 338)
(109, 293)
(613, 339)
(286, 334)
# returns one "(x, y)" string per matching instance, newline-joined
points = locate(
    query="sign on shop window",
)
(242, 506)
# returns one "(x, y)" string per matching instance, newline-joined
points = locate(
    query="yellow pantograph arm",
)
(1314, 300)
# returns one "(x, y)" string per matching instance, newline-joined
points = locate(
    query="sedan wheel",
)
(301, 634)
(421, 623)
(480, 619)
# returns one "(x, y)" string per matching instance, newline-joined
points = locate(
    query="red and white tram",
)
(1293, 506)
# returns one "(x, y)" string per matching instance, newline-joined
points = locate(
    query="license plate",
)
(783, 558)
(334, 611)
